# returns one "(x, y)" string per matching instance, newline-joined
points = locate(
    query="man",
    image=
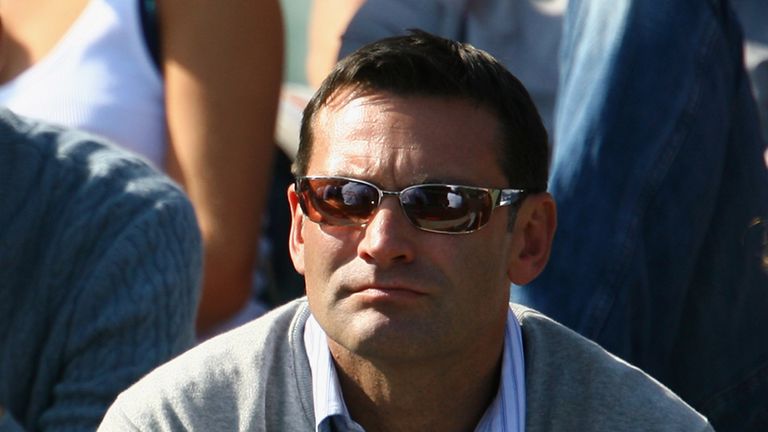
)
(420, 196)
(100, 260)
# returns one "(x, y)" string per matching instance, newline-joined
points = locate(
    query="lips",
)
(388, 290)
(414, 282)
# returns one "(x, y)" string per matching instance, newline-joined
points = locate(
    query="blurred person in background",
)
(190, 85)
(100, 259)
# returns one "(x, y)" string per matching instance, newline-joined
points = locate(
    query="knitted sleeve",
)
(135, 312)
(100, 261)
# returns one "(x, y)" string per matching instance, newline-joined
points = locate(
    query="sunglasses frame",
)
(499, 198)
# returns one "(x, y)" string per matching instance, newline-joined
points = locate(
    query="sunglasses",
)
(438, 208)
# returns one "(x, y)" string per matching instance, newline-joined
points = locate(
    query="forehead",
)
(406, 139)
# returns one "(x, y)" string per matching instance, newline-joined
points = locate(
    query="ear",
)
(296, 236)
(532, 236)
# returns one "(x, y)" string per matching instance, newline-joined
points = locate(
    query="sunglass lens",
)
(447, 208)
(339, 201)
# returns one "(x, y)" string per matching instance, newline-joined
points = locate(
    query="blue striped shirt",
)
(506, 412)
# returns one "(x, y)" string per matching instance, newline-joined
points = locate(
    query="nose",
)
(388, 238)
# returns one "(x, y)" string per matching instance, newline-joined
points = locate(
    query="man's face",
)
(389, 290)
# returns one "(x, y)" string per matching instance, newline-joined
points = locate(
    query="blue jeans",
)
(660, 254)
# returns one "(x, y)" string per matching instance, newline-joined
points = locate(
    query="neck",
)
(447, 394)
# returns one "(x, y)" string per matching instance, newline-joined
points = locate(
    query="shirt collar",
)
(330, 409)
(506, 412)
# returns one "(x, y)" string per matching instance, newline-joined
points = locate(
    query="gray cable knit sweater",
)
(99, 275)
(257, 378)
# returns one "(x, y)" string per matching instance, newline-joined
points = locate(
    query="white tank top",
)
(100, 78)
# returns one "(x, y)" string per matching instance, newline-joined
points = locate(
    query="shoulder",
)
(210, 386)
(68, 190)
(77, 167)
(572, 383)
(104, 251)
(83, 208)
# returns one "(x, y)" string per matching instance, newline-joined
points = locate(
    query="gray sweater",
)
(100, 259)
(257, 378)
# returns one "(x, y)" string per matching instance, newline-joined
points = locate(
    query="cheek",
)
(482, 267)
(324, 253)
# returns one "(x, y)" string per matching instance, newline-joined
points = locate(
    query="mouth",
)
(385, 292)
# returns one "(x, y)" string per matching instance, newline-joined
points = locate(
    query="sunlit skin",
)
(410, 313)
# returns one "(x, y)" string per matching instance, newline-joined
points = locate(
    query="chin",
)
(387, 337)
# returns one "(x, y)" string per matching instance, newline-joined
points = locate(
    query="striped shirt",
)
(506, 412)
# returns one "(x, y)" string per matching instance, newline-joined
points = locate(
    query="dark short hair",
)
(421, 64)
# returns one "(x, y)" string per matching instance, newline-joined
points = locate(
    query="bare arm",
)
(223, 69)
(328, 21)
